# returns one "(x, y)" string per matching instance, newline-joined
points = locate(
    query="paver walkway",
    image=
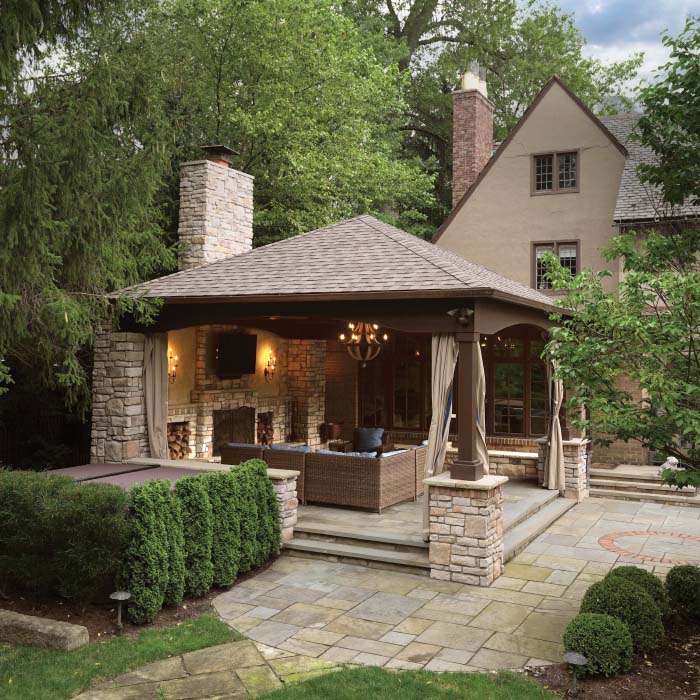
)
(309, 616)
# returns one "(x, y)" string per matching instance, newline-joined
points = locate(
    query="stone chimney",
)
(216, 209)
(472, 130)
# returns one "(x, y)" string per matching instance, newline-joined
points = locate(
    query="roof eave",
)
(475, 293)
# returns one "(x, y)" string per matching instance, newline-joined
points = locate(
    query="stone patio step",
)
(392, 541)
(517, 512)
(670, 498)
(641, 486)
(517, 538)
(365, 553)
(643, 475)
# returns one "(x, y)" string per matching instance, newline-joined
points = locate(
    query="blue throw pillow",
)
(293, 448)
(367, 439)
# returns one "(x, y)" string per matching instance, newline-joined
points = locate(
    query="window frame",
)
(555, 172)
(555, 249)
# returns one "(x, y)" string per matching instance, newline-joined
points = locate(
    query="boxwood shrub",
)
(683, 586)
(58, 536)
(223, 490)
(604, 640)
(649, 582)
(198, 531)
(145, 572)
(630, 603)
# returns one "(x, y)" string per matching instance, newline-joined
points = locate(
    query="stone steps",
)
(640, 486)
(630, 494)
(407, 551)
(362, 552)
(643, 476)
(527, 529)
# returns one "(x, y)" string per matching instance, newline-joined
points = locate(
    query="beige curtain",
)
(481, 448)
(554, 474)
(155, 384)
(444, 361)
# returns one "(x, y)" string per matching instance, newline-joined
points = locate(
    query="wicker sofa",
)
(280, 458)
(372, 483)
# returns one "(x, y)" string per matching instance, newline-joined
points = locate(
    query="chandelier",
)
(363, 341)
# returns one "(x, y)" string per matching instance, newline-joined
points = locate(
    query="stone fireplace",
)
(233, 425)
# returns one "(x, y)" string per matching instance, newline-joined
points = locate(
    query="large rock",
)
(41, 632)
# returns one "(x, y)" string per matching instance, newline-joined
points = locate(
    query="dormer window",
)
(554, 173)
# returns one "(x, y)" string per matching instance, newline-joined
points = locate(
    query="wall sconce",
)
(270, 366)
(172, 365)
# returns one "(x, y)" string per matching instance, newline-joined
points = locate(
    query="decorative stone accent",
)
(119, 430)
(216, 213)
(284, 482)
(466, 529)
(306, 384)
(28, 630)
(576, 479)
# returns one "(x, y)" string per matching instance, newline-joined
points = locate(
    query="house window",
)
(517, 394)
(567, 253)
(395, 387)
(555, 172)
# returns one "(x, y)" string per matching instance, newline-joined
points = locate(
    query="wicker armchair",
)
(289, 459)
(373, 483)
(235, 454)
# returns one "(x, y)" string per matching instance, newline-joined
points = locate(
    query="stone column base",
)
(284, 482)
(466, 528)
(576, 476)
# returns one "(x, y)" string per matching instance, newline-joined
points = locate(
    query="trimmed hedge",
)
(223, 490)
(630, 603)
(644, 579)
(146, 561)
(683, 586)
(198, 531)
(604, 640)
(58, 536)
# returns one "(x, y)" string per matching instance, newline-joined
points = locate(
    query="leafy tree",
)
(670, 124)
(646, 332)
(29, 27)
(521, 45)
(295, 88)
(82, 157)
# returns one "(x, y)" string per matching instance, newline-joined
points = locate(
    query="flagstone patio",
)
(305, 617)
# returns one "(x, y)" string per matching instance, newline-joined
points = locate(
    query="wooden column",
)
(467, 466)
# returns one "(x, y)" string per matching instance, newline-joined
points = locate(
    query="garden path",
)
(306, 616)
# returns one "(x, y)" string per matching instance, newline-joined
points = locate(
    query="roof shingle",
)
(359, 255)
(636, 200)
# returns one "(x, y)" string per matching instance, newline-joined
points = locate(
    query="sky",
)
(617, 28)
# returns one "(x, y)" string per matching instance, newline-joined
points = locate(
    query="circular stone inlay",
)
(654, 546)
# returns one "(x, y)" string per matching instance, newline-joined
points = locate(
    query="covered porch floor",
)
(393, 538)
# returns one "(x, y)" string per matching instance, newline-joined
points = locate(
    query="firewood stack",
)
(266, 431)
(179, 440)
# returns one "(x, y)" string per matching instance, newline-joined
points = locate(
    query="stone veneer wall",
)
(306, 386)
(466, 529)
(119, 430)
(216, 213)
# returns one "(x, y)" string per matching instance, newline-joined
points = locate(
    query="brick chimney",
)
(472, 130)
(216, 209)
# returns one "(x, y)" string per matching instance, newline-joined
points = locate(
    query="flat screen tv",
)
(235, 355)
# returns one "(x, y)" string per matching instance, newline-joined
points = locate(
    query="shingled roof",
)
(638, 201)
(358, 258)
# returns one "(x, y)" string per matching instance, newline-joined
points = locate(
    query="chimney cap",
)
(219, 152)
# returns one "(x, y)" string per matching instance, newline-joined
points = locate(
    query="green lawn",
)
(377, 684)
(27, 673)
